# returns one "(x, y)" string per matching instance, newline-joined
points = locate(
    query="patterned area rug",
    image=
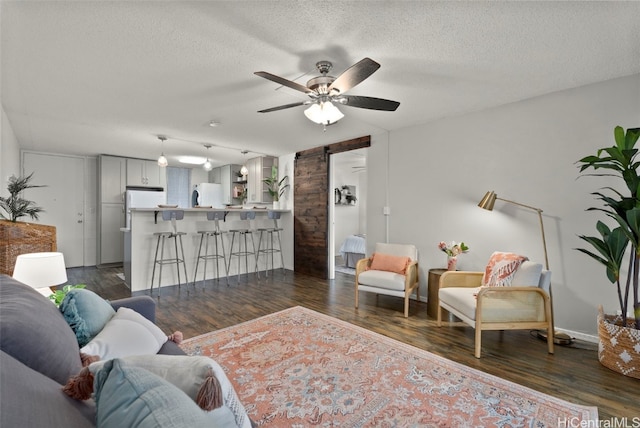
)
(299, 368)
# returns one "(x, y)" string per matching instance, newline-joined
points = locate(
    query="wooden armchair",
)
(390, 282)
(524, 305)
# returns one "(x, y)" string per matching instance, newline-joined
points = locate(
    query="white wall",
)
(436, 174)
(9, 154)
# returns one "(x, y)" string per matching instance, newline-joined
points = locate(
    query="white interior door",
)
(62, 199)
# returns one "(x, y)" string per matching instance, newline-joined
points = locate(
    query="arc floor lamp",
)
(487, 203)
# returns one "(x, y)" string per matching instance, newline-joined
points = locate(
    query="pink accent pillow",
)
(501, 269)
(389, 263)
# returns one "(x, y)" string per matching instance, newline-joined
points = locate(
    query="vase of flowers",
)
(453, 250)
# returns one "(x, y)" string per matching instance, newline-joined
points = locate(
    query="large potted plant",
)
(276, 188)
(17, 237)
(619, 336)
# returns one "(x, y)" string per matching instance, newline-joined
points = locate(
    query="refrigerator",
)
(149, 197)
(208, 195)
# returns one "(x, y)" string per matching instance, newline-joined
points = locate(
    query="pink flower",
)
(453, 249)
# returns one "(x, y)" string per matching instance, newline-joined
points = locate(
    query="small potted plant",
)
(15, 206)
(276, 188)
(619, 335)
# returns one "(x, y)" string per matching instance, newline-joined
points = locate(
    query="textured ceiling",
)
(108, 77)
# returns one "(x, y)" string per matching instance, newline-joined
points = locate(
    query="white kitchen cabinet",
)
(147, 173)
(215, 175)
(259, 169)
(111, 238)
(112, 182)
(112, 178)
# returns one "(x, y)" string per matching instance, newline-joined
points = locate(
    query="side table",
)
(433, 284)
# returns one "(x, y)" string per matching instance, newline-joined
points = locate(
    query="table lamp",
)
(487, 203)
(41, 271)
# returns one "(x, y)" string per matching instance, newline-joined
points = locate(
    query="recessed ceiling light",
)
(192, 160)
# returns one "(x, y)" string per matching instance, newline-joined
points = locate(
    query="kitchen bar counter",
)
(140, 244)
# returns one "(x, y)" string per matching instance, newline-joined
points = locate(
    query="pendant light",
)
(244, 171)
(208, 166)
(162, 160)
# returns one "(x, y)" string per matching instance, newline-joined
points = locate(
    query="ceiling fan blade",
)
(368, 102)
(354, 75)
(284, 82)
(283, 107)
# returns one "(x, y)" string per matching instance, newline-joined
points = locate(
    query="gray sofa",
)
(38, 354)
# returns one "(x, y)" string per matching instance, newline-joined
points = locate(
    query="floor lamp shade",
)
(40, 270)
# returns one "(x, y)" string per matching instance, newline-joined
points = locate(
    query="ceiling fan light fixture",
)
(323, 113)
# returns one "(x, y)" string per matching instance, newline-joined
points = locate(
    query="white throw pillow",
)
(127, 333)
(528, 274)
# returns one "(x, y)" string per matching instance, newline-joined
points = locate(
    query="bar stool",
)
(269, 249)
(217, 235)
(242, 236)
(171, 215)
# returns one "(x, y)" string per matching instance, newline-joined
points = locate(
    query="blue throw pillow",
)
(86, 313)
(128, 396)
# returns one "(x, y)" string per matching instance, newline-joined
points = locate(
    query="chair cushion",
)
(382, 279)
(501, 269)
(404, 250)
(461, 298)
(33, 331)
(500, 308)
(86, 313)
(389, 263)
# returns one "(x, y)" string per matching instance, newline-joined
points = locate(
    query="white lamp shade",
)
(208, 166)
(244, 170)
(324, 113)
(40, 270)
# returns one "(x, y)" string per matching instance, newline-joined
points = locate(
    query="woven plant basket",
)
(21, 238)
(619, 347)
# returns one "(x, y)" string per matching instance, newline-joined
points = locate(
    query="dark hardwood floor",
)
(573, 373)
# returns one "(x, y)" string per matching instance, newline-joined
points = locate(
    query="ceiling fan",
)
(325, 91)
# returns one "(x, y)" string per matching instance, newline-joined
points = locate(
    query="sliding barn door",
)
(310, 199)
(311, 206)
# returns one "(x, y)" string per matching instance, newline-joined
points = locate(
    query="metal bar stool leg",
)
(175, 243)
(153, 272)
(184, 264)
(224, 258)
(233, 237)
(277, 232)
(195, 273)
(161, 264)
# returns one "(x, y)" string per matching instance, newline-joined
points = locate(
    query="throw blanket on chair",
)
(501, 269)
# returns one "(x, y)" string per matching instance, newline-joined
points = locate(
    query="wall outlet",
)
(386, 211)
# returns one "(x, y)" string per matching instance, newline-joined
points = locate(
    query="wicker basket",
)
(619, 347)
(21, 238)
